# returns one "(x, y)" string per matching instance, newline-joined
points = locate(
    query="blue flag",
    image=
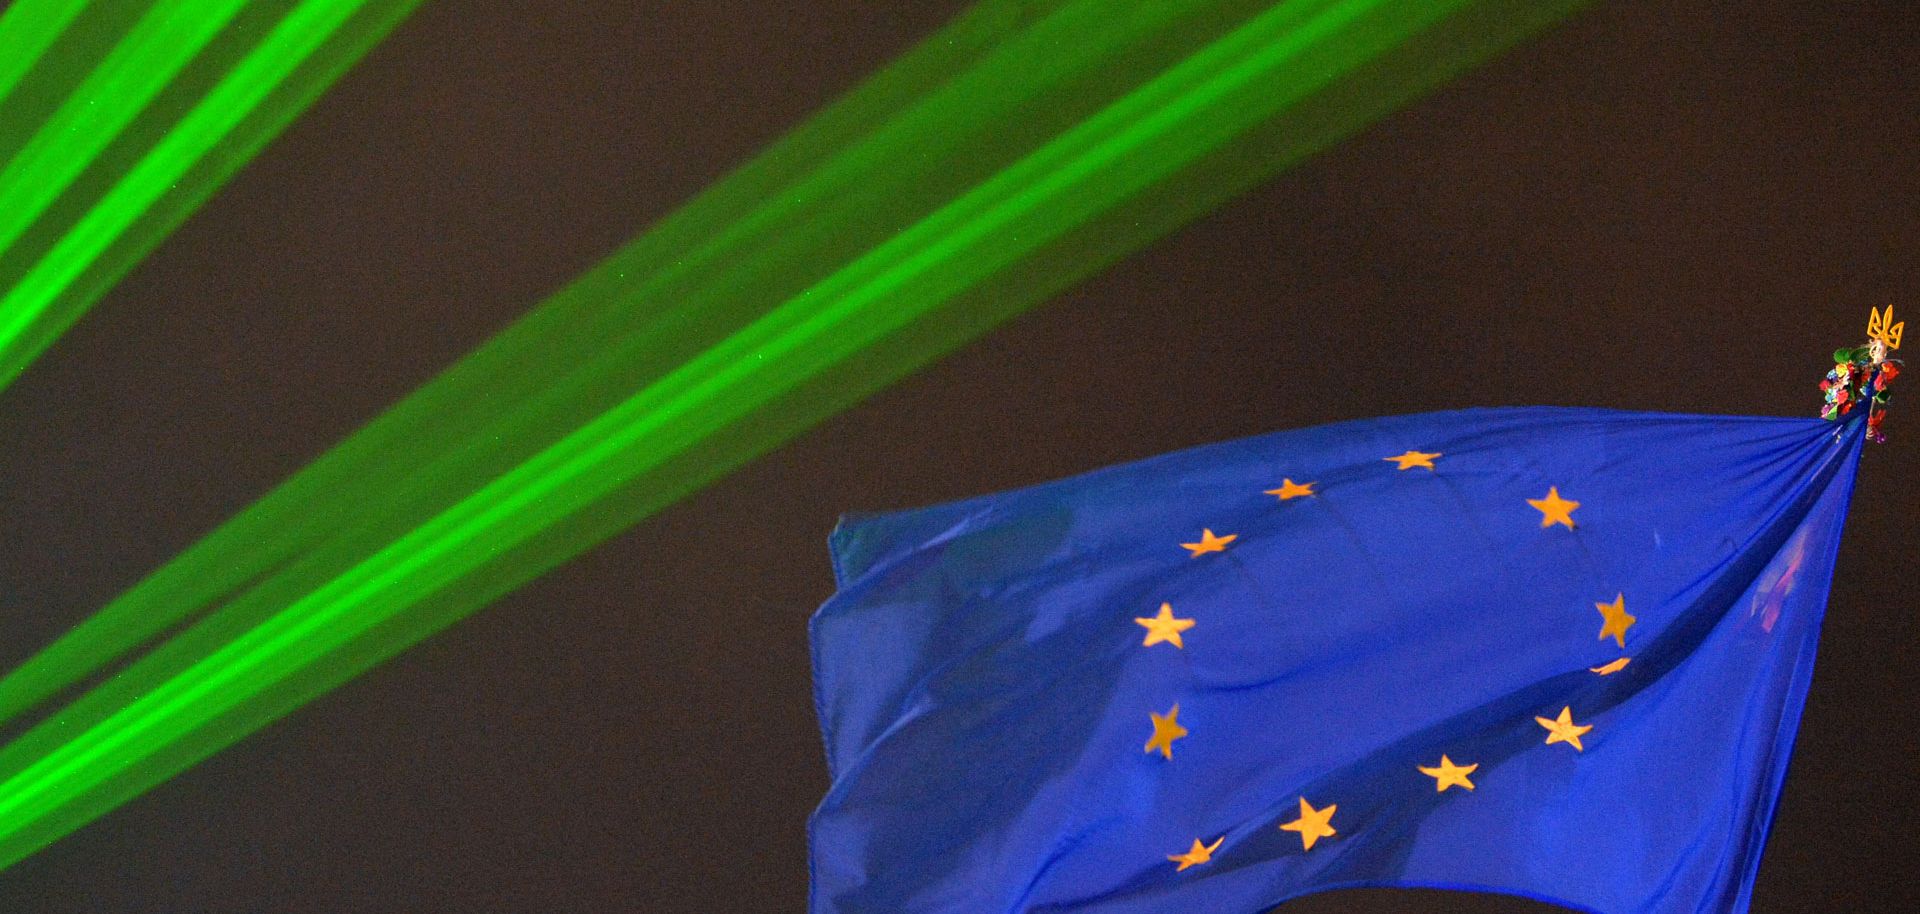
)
(1557, 653)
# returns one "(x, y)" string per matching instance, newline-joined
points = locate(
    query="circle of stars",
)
(1313, 824)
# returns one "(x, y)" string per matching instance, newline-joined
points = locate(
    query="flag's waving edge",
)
(1558, 653)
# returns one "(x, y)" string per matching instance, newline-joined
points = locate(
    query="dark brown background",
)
(1676, 205)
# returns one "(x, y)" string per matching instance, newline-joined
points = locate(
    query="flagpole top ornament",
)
(1862, 373)
(1883, 333)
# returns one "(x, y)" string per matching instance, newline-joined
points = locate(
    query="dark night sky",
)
(1672, 204)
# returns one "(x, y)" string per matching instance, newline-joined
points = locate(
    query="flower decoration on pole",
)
(1862, 373)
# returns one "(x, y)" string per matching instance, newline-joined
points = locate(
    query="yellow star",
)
(1564, 730)
(1610, 668)
(1209, 543)
(1412, 459)
(1449, 774)
(1554, 509)
(1290, 489)
(1164, 627)
(1165, 731)
(1201, 853)
(1312, 824)
(1618, 621)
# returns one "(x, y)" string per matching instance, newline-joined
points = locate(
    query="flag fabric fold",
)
(1558, 653)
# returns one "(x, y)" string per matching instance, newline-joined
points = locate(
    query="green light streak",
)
(759, 309)
(186, 161)
(721, 260)
(26, 29)
(142, 64)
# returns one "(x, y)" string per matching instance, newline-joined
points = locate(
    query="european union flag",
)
(1558, 653)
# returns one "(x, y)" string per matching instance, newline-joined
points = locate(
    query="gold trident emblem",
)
(1880, 327)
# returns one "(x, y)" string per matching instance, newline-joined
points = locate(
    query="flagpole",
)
(1877, 350)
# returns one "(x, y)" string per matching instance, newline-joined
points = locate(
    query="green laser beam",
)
(187, 160)
(161, 43)
(497, 502)
(712, 265)
(27, 28)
